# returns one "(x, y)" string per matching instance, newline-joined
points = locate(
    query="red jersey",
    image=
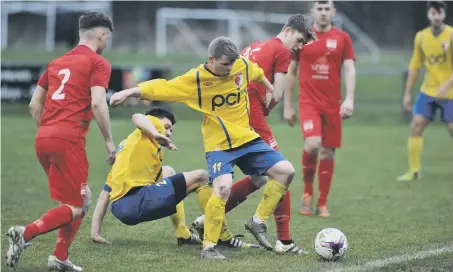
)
(68, 79)
(272, 56)
(320, 65)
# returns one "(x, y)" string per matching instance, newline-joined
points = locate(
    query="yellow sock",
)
(225, 234)
(213, 220)
(179, 222)
(204, 193)
(273, 192)
(415, 149)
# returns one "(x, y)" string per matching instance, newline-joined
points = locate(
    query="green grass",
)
(380, 216)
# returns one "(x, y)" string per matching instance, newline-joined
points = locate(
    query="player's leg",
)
(226, 238)
(261, 159)
(423, 112)
(178, 219)
(331, 140)
(446, 108)
(158, 200)
(220, 165)
(282, 213)
(310, 122)
(99, 214)
(65, 185)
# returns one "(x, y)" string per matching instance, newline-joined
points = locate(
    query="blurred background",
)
(166, 38)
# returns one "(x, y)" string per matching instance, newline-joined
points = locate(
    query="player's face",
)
(294, 40)
(323, 13)
(436, 17)
(104, 35)
(222, 66)
(168, 127)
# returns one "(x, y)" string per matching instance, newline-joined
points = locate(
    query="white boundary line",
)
(397, 259)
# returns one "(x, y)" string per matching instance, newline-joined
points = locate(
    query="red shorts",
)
(324, 123)
(258, 121)
(66, 165)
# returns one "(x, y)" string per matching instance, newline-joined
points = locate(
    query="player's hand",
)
(111, 150)
(346, 109)
(100, 240)
(267, 99)
(117, 98)
(443, 90)
(407, 102)
(165, 141)
(289, 115)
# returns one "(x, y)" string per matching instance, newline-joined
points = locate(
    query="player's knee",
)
(288, 171)
(76, 211)
(168, 171)
(327, 154)
(312, 145)
(201, 177)
(418, 125)
(224, 191)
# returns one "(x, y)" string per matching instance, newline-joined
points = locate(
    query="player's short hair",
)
(437, 5)
(302, 24)
(323, 2)
(223, 46)
(92, 19)
(162, 113)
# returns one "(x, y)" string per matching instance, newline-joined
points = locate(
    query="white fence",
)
(237, 19)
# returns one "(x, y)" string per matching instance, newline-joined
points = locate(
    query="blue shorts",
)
(427, 105)
(148, 203)
(253, 158)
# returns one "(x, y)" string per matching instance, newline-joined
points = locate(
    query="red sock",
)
(53, 219)
(66, 235)
(239, 192)
(325, 173)
(309, 163)
(282, 217)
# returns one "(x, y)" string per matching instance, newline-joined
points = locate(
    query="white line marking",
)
(397, 259)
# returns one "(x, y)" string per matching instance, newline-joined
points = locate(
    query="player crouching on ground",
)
(204, 192)
(140, 188)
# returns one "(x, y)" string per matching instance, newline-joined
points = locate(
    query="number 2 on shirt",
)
(58, 95)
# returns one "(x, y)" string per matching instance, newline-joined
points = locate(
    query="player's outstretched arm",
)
(288, 108)
(119, 97)
(101, 114)
(98, 217)
(146, 126)
(36, 105)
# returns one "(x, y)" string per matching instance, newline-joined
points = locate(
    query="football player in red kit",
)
(70, 91)
(273, 56)
(321, 107)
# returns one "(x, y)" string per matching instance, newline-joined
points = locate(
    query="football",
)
(331, 244)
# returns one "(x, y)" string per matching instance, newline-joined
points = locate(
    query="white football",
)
(331, 244)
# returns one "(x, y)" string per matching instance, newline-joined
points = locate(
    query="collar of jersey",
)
(205, 66)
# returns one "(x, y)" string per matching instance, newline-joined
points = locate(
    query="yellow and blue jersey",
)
(436, 54)
(138, 162)
(222, 99)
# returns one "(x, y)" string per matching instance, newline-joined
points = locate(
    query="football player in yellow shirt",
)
(161, 117)
(140, 187)
(218, 89)
(433, 48)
